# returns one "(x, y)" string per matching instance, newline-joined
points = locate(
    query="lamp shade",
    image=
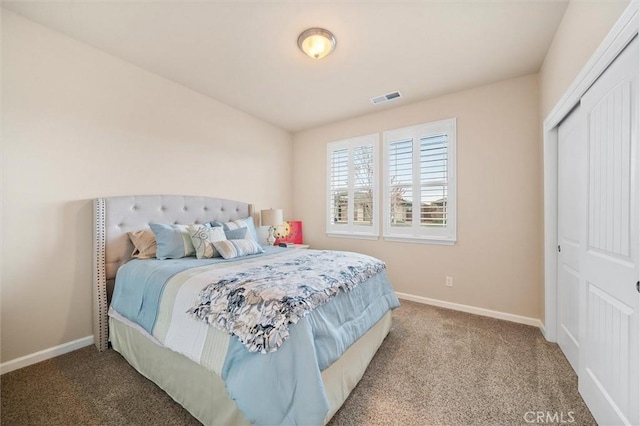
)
(271, 217)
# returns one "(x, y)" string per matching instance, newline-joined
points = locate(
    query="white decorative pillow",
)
(203, 237)
(230, 249)
(144, 244)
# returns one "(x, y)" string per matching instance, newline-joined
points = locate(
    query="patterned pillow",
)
(173, 241)
(144, 244)
(202, 237)
(247, 222)
(230, 249)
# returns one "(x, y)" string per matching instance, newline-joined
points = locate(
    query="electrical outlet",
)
(448, 281)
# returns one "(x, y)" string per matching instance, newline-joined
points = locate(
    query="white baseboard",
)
(45, 354)
(474, 310)
(543, 330)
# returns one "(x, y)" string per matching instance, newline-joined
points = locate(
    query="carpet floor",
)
(436, 367)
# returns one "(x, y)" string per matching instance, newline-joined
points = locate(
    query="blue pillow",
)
(236, 234)
(173, 241)
(247, 222)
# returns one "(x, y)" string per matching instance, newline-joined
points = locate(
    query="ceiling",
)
(245, 53)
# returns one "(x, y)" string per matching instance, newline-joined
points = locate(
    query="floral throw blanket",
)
(257, 305)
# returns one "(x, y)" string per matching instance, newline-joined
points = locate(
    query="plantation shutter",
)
(433, 180)
(401, 183)
(352, 187)
(338, 186)
(420, 183)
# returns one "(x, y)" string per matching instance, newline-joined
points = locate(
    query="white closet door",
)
(609, 324)
(571, 181)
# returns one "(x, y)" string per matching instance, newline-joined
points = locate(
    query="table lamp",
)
(271, 218)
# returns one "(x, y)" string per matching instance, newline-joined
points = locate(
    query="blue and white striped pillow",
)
(247, 222)
(230, 249)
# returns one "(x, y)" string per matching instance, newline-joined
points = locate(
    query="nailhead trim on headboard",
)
(100, 308)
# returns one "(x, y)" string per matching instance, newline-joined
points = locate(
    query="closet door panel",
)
(609, 374)
(571, 184)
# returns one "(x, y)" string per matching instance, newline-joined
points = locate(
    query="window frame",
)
(351, 230)
(416, 233)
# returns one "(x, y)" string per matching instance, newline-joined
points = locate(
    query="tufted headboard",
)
(115, 216)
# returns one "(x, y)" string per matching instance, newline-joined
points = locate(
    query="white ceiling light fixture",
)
(317, 42)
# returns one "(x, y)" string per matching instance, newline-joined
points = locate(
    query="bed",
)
(293, 375)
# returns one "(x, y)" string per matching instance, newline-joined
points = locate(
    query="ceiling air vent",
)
(385, 98)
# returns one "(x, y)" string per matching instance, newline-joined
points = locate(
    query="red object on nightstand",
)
(289, 232)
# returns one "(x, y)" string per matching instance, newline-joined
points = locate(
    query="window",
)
(352, 190)
(420, 183)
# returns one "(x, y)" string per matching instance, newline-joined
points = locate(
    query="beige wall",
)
(79, 124)
(584, 25)
(496, 263)
(582, 29)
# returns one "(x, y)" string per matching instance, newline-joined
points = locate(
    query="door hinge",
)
(638, 286)
(559, 249)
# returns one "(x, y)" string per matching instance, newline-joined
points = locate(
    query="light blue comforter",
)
(282, 387)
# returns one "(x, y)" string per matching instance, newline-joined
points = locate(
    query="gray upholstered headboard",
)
(115, 216)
